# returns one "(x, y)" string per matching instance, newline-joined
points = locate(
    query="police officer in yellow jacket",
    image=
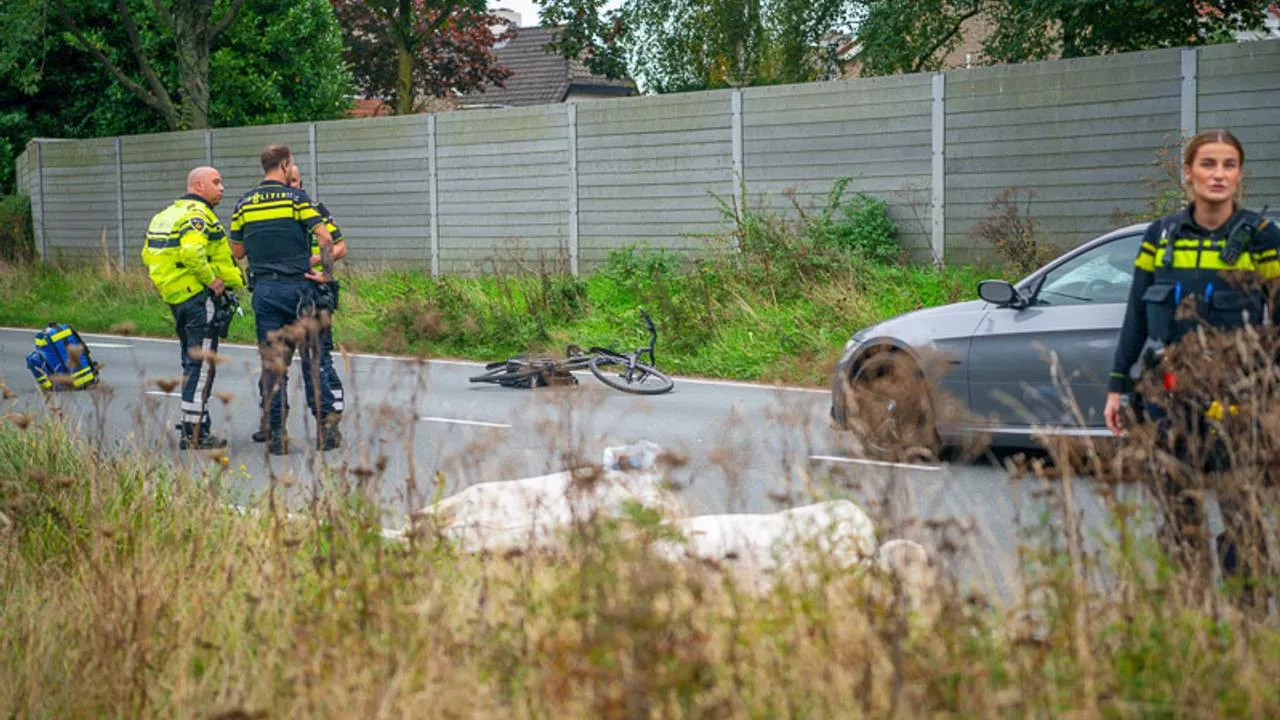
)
(189, 260)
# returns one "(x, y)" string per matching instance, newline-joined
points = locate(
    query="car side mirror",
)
(1000, 293)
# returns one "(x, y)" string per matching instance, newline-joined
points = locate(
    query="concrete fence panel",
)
(502, 187)
(237, 154)
(799, 139)
(1239, 88)
(1076, 138)
(372, 175)
(80, 201)
(155, 169)
(1084, 143)
(650, 168)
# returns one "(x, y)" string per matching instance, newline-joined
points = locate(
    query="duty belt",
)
(260, 276)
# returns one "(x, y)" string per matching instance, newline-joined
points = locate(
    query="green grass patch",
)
(713, 319)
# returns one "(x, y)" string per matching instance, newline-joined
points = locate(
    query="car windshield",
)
(1102, 274)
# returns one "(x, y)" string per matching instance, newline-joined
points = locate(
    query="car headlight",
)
(849, 348)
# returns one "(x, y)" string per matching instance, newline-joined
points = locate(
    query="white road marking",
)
(97, 345)
(876, 463)
(164, 394)
(456, 421)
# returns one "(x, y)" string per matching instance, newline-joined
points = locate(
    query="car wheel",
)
(890, 408)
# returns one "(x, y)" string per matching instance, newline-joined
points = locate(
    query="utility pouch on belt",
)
(1228, 309)
(1160, 306)
(225, 307)
(333, 293)
(326, 296)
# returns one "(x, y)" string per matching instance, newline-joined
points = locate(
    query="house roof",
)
(539, 77)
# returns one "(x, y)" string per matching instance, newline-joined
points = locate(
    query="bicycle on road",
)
(626, 372)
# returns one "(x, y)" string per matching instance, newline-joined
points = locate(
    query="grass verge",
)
(716, 318)
(127, 589)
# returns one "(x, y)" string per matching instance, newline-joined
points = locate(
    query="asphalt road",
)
(748, 447)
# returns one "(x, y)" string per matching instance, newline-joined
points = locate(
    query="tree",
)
(403, 50)
(280, 61)
(190, 25)
(1035, 29)
(913, 37)
(679, 45)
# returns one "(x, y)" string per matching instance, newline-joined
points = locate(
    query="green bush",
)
(17, 236)
(859, 225)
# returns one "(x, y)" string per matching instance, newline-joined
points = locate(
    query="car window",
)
(1101, 275)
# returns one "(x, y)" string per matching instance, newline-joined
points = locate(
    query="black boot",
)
(328, 436)
(199, 437)
(277, 443)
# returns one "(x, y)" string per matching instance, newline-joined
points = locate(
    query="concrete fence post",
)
(735, 106)
(938, 185)
(313, 175)
(571, 111)
(37, 219)
(1189, 121)
(208, 146)
(119, 202)
(433, 198)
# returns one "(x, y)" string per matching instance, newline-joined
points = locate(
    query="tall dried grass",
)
(130, 589)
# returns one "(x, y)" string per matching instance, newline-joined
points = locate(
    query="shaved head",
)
(205, 182)
(295, 176)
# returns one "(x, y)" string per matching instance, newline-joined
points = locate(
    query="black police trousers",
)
(198, 341)
(1184, 531)
(279, 304)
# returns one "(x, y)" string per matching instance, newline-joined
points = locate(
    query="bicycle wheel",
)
(641, 379)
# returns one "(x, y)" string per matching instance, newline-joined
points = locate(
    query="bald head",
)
(207, 183)
(295, 176)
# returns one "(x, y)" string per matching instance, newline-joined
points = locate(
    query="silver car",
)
(1025, 359)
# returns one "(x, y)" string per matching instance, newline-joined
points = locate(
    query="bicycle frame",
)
(635, 355)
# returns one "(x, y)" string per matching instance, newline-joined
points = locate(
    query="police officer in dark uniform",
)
(325, 390)
(1188, 274)
(272, 226)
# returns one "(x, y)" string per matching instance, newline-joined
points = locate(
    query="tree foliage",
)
(680, 45)
(913, 37)
(279, 61)
(406, 50)
(673, 45)
(187, 27)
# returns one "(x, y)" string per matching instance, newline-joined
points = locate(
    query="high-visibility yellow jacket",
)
(186, 249)
(334, 232)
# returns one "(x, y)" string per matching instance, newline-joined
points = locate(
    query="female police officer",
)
(1187, 275)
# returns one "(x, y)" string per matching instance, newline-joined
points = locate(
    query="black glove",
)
(225, 307)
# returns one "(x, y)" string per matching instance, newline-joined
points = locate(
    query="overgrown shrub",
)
(1163, 188)
(1013, 232)
(17, 236)
(785, 253)
(501, 314)
(858, 225)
